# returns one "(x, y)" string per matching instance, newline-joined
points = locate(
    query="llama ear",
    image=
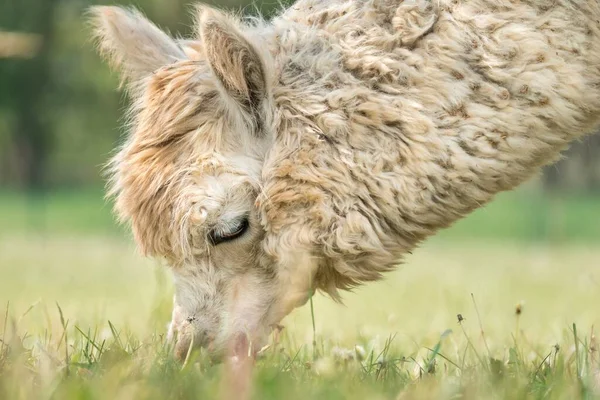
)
(192, 49)
(132, 43)
(233, 59)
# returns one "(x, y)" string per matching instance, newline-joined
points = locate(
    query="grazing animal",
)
(266, 160)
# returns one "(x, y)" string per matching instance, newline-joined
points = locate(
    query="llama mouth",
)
(242, 346)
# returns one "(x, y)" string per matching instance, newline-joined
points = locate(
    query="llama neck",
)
(389, 143)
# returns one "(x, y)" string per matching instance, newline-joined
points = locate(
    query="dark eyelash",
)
(217, 236)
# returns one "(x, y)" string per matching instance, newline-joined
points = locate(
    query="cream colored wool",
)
(349, 131)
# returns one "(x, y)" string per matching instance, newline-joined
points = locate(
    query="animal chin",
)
(245, 345)
(289, 302)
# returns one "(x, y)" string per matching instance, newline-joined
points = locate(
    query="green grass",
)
(529, 215)
(82, 316)
(407, 326)
(61, 211)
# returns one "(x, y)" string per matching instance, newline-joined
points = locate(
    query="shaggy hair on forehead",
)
(385, 120)
(159, 160)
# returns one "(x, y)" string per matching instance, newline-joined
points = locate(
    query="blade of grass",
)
(481, 326)
(445, 358)
(576, 351)
(4, 328)
(31, 307)
(431, 361)
(314, 328)
(115, 334)
(537, 371)
(64, 325)
(87, 337)
(188, 354)
(291, 361)
(470, 344)
(421, 370)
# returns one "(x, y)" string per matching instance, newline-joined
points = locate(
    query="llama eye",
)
(229, 231)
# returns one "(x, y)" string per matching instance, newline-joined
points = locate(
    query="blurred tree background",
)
(60, 110)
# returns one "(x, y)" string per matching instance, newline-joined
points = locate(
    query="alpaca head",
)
(187, 177)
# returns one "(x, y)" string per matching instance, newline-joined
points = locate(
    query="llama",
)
(267, 160)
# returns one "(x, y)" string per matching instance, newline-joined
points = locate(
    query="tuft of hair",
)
(131, 43)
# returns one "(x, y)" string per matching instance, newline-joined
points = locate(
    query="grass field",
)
(83, 317)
